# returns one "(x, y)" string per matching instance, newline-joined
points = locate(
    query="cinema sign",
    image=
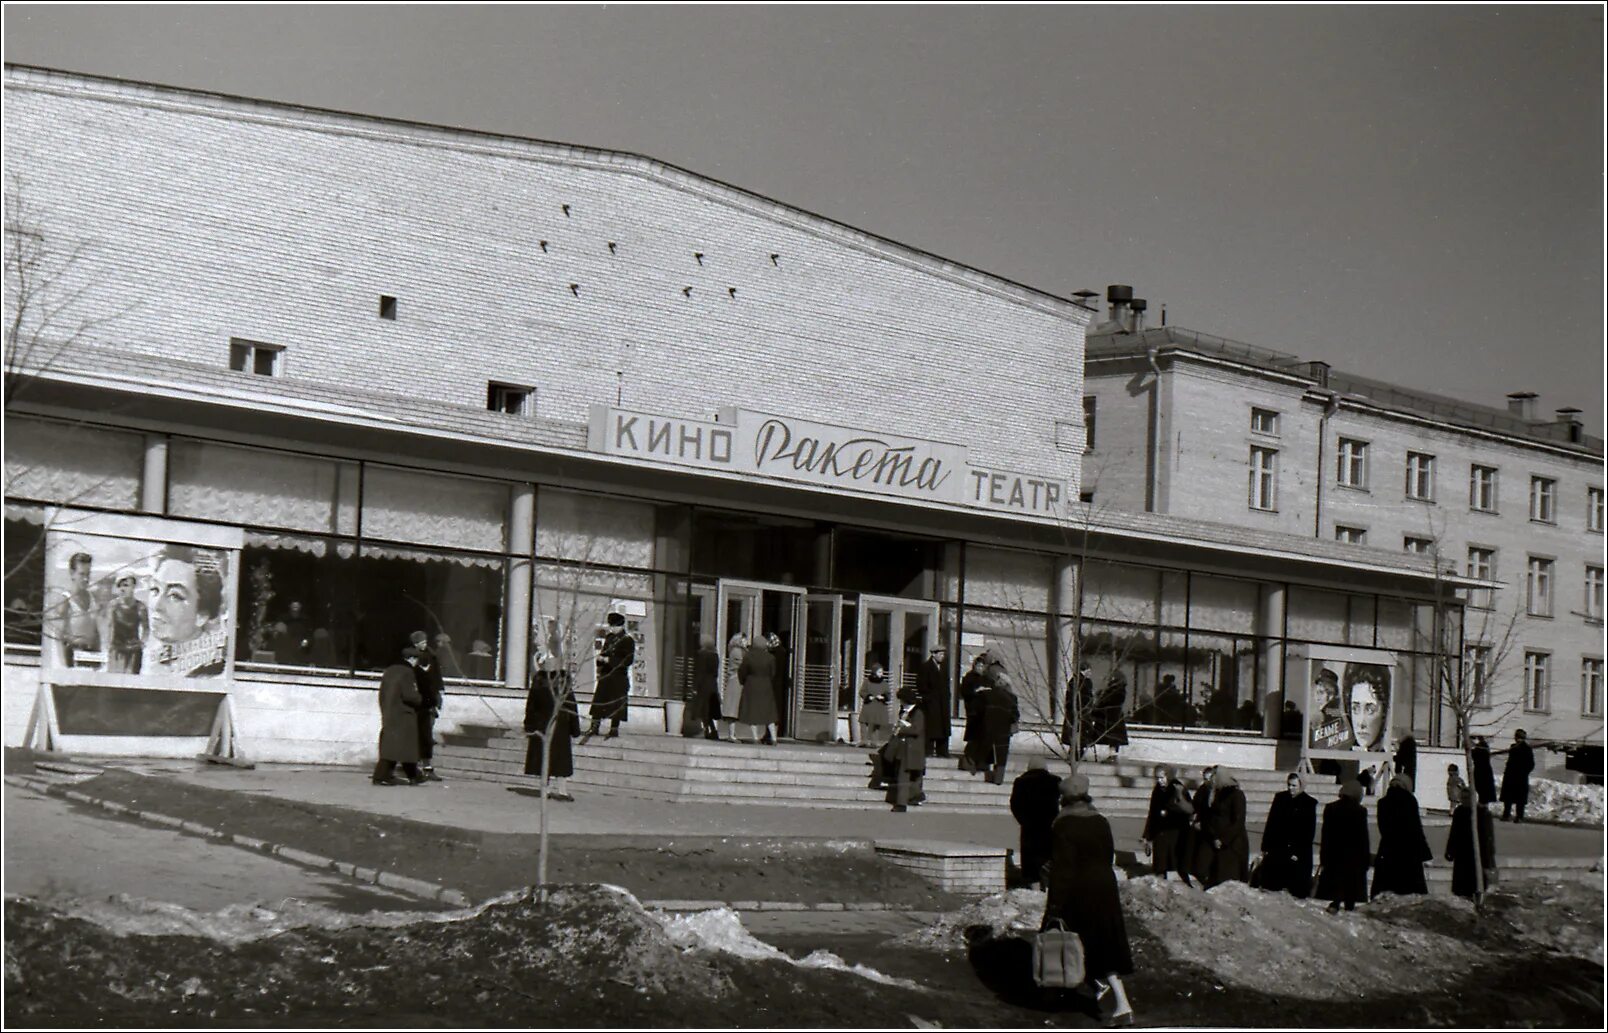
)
(823, 454)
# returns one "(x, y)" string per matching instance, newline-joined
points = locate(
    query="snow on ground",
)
(722, 930)
(1565, 803)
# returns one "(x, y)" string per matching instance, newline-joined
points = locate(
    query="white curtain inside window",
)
(257, 486)
(594, 529)
(434, 509)
(73, 464)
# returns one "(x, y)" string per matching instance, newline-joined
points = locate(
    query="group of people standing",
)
(756, 682)
(1201, 835)
(411, 691)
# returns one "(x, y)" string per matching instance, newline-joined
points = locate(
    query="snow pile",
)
(1014, 913)
(235, 924)
(1565, 803)
(721, 930)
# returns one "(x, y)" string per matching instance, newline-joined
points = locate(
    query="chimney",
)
(1319, 371)
(1119, 295)
(1522, 405)
(1137, 306)
(1568, 419)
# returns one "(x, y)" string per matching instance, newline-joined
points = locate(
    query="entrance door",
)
(814, 716)
(755, 610)
(897, 632)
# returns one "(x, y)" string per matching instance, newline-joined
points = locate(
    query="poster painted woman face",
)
(1367, 695)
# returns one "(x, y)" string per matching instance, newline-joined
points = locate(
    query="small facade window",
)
(1482, 565)
(1593, 593)
(1418, 546)
(1352, 470)
(1086, 497)
(1264, 421)
(1089, 405)
(1352, 535)
(265, 360)
(1477, 673)
(1594, 510)
(1264, 478)
(513, 399)
(1591, 686)
(1482, 488)
(1543, 500)
(1537, 681)
(1538, 587)
(1421, 476)
(387, 307)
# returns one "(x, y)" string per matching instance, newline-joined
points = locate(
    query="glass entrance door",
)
(756, 610)
(898, 633)
(815, 704)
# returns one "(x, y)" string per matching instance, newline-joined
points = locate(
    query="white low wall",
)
(1193, 750)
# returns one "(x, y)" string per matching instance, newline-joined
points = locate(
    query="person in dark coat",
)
(1460, 847)
(1199, 845)
(1343, 850)
(991, 750)
(932, 682)
(1083, 892)
(1224, 826)
(1110, 717)
(1516, 776)
(611, 700)
(1407, 759)
(551, 702)
(1035, 801)
(1287, 840)
(1078, 710)
(1403, 850)
(432, 689)
(905, 755)
(781, 682)
(399, 722)
(758, 707)
(971, 687)
(703, 708)
(1167, 826)
(1480, 771)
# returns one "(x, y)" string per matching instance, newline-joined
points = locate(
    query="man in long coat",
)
(1403, 850)
(611, 699)
(1460, 846)
(1287, 839)
(1516, 776)
(1343, 849)
(972, 684)
(1035, 801)
(432, 687)
(1484, 778)
(905, 755)
(932, 682)
(399, 725)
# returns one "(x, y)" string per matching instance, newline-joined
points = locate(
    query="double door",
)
(897, 633)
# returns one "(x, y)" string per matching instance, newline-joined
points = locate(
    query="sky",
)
(1408, 193)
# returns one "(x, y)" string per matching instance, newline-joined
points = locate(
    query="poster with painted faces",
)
(1348, 706)
(123, 605)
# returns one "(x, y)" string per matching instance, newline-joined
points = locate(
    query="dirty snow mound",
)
(722, 930)
(1565, 803)
(1005, 914)
(235, 924)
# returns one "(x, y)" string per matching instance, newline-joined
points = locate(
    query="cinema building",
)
(407, 376)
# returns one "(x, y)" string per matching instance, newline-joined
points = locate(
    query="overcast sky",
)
(1413, 194)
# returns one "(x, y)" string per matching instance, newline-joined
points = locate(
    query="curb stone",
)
(390, 880)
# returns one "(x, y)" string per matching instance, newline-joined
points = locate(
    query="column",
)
(153, 480)
(1064, 629)
(516, 630)
(1271, 622)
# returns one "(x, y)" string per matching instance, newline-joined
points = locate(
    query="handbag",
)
(1057, 957)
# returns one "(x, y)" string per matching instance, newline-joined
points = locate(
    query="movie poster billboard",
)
(1350, 699)
(138, 601)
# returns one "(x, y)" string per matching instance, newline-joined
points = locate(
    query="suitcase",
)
(1057, 957)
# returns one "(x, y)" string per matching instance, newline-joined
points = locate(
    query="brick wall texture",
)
(204, 219)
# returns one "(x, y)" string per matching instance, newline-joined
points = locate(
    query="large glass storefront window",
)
(256, 487)
(455, 598)
(1022, 641)
(569, 620)
(298, 602)
(73, 464)
(887, 564)
(24, 573)
(434, 509)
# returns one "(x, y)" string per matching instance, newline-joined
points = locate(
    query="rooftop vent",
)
(1522, 404)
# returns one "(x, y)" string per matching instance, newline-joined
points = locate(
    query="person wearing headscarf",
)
(905, 755)
(1198, 845)
(703, 708)
(1167, 825)
(1224, 826)
(971, 686)
(1343, 850)
(552, 719)
(758, 708)
(876, 695)
(1287, 838)
(1403, 850)
(991, 751)
(731, 686)
(1460, 847)
(1083, 893)
(1035, 801)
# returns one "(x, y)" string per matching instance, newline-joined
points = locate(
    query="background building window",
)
(1477, 673)
(1089, 404)
(1594, 510)
(1264, 478)
(1591, 687)
(1352, 463)
(1482, 488)
(513, 399)
(1543, 499)
(1264, 421)
(1421, 476)
(1537, 681)
(255, 357)
(1482, 565)
(1353, 535)
(1594, 593)
(1418, 546)
(1538, 587)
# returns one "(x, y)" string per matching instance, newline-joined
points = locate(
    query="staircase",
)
(672, 768)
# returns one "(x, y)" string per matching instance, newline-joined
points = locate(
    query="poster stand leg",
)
(222, 745)
(43, 734)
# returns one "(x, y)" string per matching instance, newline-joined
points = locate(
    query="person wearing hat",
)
(1035, 802)
(905, 755)
(1329, 727)
(611, 699)
(1482, 774)
(971, 687)
(1466, 816)
(1078, 709)
(1083, 893)
(399, 725)
(1343, 850)
(1403, 849)
(1516, 776)
(128, 623)
(932, 682)
(432, 691)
